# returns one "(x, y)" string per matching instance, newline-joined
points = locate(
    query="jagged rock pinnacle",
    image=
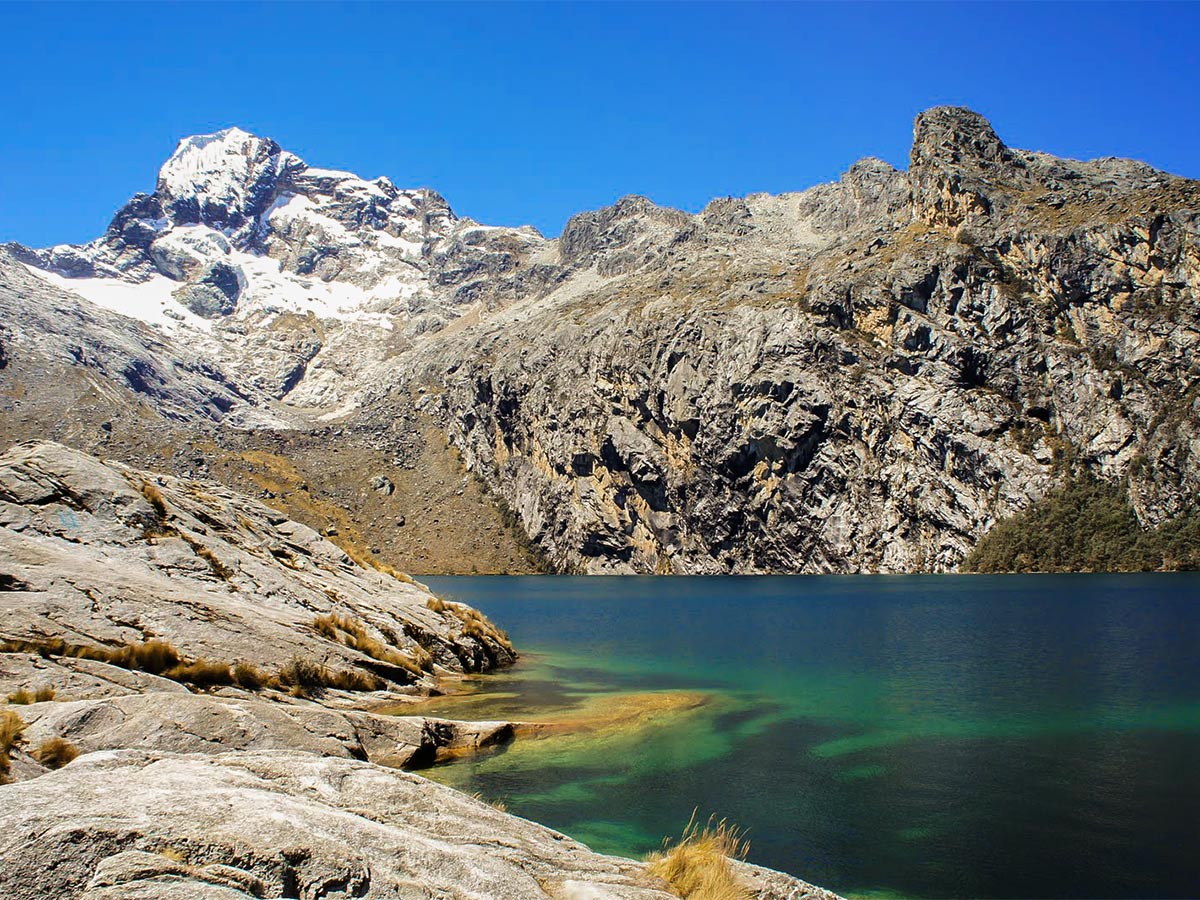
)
(955, 135)
(956, 158)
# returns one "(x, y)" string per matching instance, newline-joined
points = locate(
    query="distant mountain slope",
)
(864, 376)
(51, 341)
(297, 278)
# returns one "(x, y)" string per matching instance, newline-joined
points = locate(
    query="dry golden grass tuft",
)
(219, 568)
(249, 677)
(353, 633)
(437, 604)
(44, 647)
(153, 656)
(423, 658)
(498, 805)
(367, 560)
(698, 867)
(23, 696)
(479, 626)
(304, 678)
(328, 625)
(201, 673)
(350, 680)
(12, 731)
(55, 753)
(474, 623)
(12, 727)
(300, 676)
(155, 498)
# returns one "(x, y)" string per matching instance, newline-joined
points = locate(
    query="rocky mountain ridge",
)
(929, 353)
(864, 376)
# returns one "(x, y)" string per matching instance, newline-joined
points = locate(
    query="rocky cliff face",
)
(863, 376)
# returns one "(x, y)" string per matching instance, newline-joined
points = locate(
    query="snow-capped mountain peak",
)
(270, 263)
(223, 179)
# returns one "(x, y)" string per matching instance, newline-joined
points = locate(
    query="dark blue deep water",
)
(913, 736)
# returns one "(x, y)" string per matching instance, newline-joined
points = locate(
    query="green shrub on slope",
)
(1086, 525)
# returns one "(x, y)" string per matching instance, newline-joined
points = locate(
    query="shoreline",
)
(159, 738)
(191, 679)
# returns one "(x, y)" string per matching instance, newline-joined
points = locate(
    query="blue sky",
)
(529, 113)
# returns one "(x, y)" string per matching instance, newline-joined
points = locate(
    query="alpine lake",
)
(882, 736)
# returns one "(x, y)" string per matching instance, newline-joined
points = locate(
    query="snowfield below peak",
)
(147, 301)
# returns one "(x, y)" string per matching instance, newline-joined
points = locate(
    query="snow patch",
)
(148, 301)
(297, 206)
(345, 182)
(330, 173)
(268, 289)
(196, 241)
(413, 248)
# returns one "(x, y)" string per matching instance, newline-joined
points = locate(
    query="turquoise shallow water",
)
(942, 736)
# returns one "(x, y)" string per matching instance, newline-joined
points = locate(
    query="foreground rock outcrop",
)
(142, 762)
(99, 555)
(179, 616)
(289, 824)
(183, 722)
